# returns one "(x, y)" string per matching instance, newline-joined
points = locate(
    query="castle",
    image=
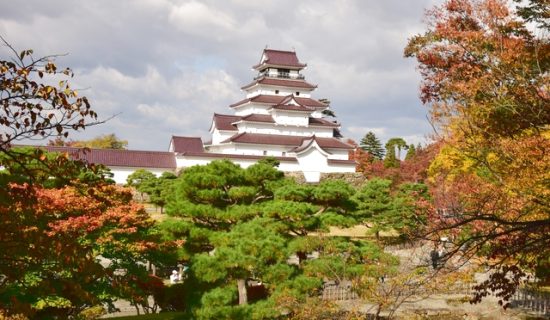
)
(277, 118)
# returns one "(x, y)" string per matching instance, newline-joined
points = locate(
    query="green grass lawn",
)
(157, 316)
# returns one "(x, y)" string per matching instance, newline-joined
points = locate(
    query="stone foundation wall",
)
(355, 179)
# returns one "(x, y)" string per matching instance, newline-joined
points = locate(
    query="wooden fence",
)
(532, 300)
(339, 292)
(402, 246)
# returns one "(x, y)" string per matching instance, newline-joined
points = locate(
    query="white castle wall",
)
(122, 173)
(278, 129)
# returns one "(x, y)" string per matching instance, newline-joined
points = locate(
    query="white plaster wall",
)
(279, 91)
(338, 168)
(252, 108)
(219, 136)
(122, 173)
(250, 149)
(290, 118)
(186, 161)
(258, 150)
(317, 114)
(222, 148)
(269, 128)
(339, 154)
(312, 163)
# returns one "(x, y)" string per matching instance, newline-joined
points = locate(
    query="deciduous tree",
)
(105, 141)
(31, 105)
(59, 216)
(52, 236)
(485, 80)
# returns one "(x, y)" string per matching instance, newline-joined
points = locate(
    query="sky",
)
(163, 67)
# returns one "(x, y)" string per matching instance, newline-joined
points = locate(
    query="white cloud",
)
(164, 66)
(196, 17)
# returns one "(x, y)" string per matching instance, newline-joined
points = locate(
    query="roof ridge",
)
(225, 115)
(278, 50)
(96, 149)
(174, 136)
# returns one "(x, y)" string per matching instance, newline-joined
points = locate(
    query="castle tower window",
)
(297, 93)
(276, 91)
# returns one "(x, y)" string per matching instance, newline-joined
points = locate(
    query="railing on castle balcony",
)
(281, 75)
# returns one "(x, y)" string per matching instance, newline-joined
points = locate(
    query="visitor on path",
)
(175, 277)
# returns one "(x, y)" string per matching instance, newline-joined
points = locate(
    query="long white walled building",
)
(277, 118)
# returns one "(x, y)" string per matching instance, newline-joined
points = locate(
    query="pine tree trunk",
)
(302, 256)
(241, 285)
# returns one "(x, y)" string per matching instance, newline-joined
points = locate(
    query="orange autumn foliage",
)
(485, 79)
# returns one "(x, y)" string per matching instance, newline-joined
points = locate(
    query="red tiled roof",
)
(225, 121)
(258, 118)
(286, 105)
(234, 156)
(292, 107)
(305, 144)
(272, 99)
(310, 102)
(282, 140)
(182, 144)
(320, 122)
(280, 58)
(345, 162)
(120, 158)
(281, 83)
(332, 143)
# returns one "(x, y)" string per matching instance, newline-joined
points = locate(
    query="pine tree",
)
(240, 226)
(372, 145)
(411, 152)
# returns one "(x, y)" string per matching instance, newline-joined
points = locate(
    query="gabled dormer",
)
(291, 112)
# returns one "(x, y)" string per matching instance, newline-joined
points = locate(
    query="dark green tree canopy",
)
(371, 144)
(241, 225)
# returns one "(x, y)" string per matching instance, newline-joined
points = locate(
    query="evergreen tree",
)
(411, 152)
(141, 179)
(372, 145)
(158, 188)
(392, 159)
(375, 205)
(240, 226)
(398, 143)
